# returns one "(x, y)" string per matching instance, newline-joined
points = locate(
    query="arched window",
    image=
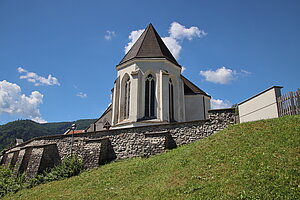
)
(171, 101)
(149, 96)
(127, 98)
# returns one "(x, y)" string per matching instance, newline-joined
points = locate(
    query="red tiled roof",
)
(70, 132)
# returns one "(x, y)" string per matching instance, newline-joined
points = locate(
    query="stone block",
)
(19, 161)
(97, 152)
(3, 159)
(14, 158)
(41, 158)
(8, 159)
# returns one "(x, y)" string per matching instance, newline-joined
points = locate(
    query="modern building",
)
(263, 105)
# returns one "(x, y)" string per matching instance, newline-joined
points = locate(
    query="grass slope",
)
(257, 160)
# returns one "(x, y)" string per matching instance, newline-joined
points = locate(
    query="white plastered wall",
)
(196, 107)
(261, 106)
(138, 70)
(115, 101)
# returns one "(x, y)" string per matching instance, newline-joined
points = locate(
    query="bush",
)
(70, 166)
(9, 182)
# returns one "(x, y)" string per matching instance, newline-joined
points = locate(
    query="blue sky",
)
(58, 58)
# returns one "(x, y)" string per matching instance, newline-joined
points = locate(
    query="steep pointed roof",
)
(149, 45)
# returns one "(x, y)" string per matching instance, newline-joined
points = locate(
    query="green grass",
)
(257, 160)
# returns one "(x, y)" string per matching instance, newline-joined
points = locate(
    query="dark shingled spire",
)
(149, 45)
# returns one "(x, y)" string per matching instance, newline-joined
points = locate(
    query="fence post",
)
(279, 106)
(292, 103)
(297, 96)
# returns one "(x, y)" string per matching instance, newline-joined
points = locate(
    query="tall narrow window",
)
(127, 99)
(171, 101)
(149, 97)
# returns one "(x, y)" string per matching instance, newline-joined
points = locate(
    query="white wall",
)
(138, 70)
(260, 106)
(196, 107)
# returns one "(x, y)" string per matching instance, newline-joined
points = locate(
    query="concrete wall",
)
(103, 146)
(261, 106)
(196, 107)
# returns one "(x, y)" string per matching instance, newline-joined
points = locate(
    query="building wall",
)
(98, 125)
(162, 70)
(260, 106)
(103, 146)
(196, 107)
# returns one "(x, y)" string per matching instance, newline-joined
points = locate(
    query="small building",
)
(18, 141)
(264, 105)
(150, 89)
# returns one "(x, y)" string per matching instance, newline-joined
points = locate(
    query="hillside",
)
(27, 129)
(258, 160)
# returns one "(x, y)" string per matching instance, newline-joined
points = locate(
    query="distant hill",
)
(27, 129)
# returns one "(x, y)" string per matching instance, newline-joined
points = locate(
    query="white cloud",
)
(39, 120)
(245, 73)
(218, 103)
(173, 45)
(183, 69)
(81, 95)
(21, 70)
(134, 35)
(177, 33)
(36, 79)
(109, 35)
(13, 102)
(221, 75)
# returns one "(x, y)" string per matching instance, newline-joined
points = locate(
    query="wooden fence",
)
(289, 104)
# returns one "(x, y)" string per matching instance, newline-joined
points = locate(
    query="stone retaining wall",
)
(97, 148)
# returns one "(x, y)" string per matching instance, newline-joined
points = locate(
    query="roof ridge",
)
(157, 40)
(149, 45)
(132, 47)
(160, 47)
(145, 31)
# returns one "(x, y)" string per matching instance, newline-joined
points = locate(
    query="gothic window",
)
(171, 101)
(149, 96)
(127, 99)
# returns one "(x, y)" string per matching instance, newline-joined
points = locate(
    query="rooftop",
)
(149, 45)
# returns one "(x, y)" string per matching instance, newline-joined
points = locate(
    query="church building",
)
(151, 90)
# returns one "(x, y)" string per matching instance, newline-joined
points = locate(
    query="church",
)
(150, 89)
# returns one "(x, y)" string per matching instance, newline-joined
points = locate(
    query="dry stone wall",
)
(97, 148)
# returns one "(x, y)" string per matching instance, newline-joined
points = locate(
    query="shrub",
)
(70, 166)
(9, 182)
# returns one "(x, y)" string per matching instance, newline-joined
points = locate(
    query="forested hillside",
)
(27, 129)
